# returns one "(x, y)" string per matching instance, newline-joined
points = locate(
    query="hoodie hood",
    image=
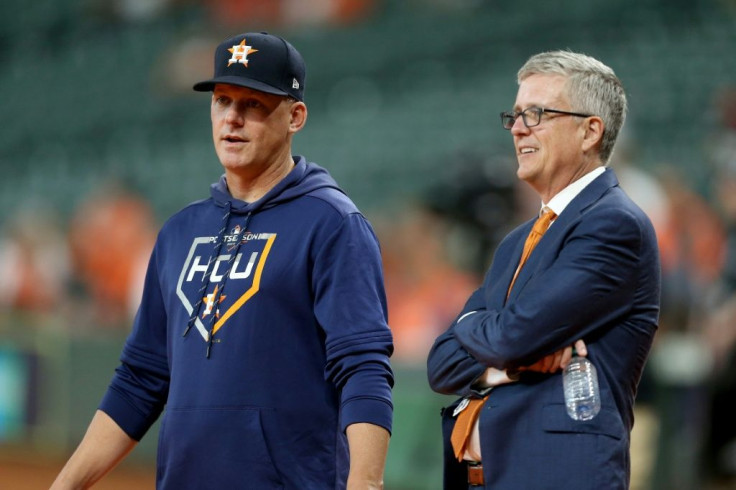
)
(304, 178)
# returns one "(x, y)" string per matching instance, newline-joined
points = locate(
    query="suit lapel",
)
(551, 241)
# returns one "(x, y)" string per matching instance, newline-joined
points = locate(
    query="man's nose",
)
(234, 115)
(519, 127)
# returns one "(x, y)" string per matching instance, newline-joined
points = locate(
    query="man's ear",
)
(298, 116)
(594, 128)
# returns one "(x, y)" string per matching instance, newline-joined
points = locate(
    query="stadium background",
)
(403, 103)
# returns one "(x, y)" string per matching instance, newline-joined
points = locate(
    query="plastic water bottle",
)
(582, 395)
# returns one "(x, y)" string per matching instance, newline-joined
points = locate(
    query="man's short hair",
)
(591, 87)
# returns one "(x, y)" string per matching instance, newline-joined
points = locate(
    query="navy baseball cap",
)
(260, 61)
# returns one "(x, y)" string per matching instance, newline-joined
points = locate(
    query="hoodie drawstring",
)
(206, 278)
(230, 261)
(201, 294)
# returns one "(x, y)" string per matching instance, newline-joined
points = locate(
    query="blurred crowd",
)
(86, 272)
(234, 13)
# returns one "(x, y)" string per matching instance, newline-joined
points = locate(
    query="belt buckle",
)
(475, 474)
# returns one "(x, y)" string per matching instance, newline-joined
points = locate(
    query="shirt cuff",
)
(495, 377)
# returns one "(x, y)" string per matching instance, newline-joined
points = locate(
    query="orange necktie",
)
(539, 228)
(464, 425)
(466, 419)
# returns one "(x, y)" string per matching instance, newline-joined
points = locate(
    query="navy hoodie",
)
(262, 357)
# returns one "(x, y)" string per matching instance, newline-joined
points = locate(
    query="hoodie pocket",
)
(215, 447)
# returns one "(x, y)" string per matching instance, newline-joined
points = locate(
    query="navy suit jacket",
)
(595, 275)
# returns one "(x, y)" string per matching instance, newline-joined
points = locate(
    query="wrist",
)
(513, 374)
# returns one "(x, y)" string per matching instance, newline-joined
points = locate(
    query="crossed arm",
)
(549, 364)
(462, 361)
(452, 370)
(579, 292)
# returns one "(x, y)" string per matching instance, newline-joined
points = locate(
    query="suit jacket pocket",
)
(607, 422)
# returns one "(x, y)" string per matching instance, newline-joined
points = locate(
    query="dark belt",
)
(475, 474)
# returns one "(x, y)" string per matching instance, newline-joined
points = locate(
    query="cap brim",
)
(209, 85)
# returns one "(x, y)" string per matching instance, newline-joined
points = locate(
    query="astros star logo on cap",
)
(240, 53)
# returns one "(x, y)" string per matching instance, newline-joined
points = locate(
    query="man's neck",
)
(250, 188)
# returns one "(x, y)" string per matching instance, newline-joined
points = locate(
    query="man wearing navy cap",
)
(262, 330)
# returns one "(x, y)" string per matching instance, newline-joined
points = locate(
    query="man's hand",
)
(557, 360)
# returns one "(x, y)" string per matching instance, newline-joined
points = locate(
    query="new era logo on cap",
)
(259, 61)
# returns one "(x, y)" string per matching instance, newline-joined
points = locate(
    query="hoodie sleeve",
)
(350, 305)
(138, 390)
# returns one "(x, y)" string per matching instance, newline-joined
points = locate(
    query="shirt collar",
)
(560, 201)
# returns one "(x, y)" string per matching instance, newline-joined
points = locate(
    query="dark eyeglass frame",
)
(508, 119)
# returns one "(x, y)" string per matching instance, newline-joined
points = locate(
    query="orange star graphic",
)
(240, 55)
(211, 300)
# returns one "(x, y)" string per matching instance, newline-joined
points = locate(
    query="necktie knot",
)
(545, 219)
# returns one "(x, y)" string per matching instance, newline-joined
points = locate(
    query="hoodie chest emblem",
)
(245, 275)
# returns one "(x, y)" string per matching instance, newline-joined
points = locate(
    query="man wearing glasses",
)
(584, 273)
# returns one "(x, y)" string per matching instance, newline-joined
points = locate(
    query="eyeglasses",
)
(533, 116)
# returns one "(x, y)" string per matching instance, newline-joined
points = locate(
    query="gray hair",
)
(591, 87)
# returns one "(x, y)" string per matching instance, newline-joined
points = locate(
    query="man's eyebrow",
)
(517, 108)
